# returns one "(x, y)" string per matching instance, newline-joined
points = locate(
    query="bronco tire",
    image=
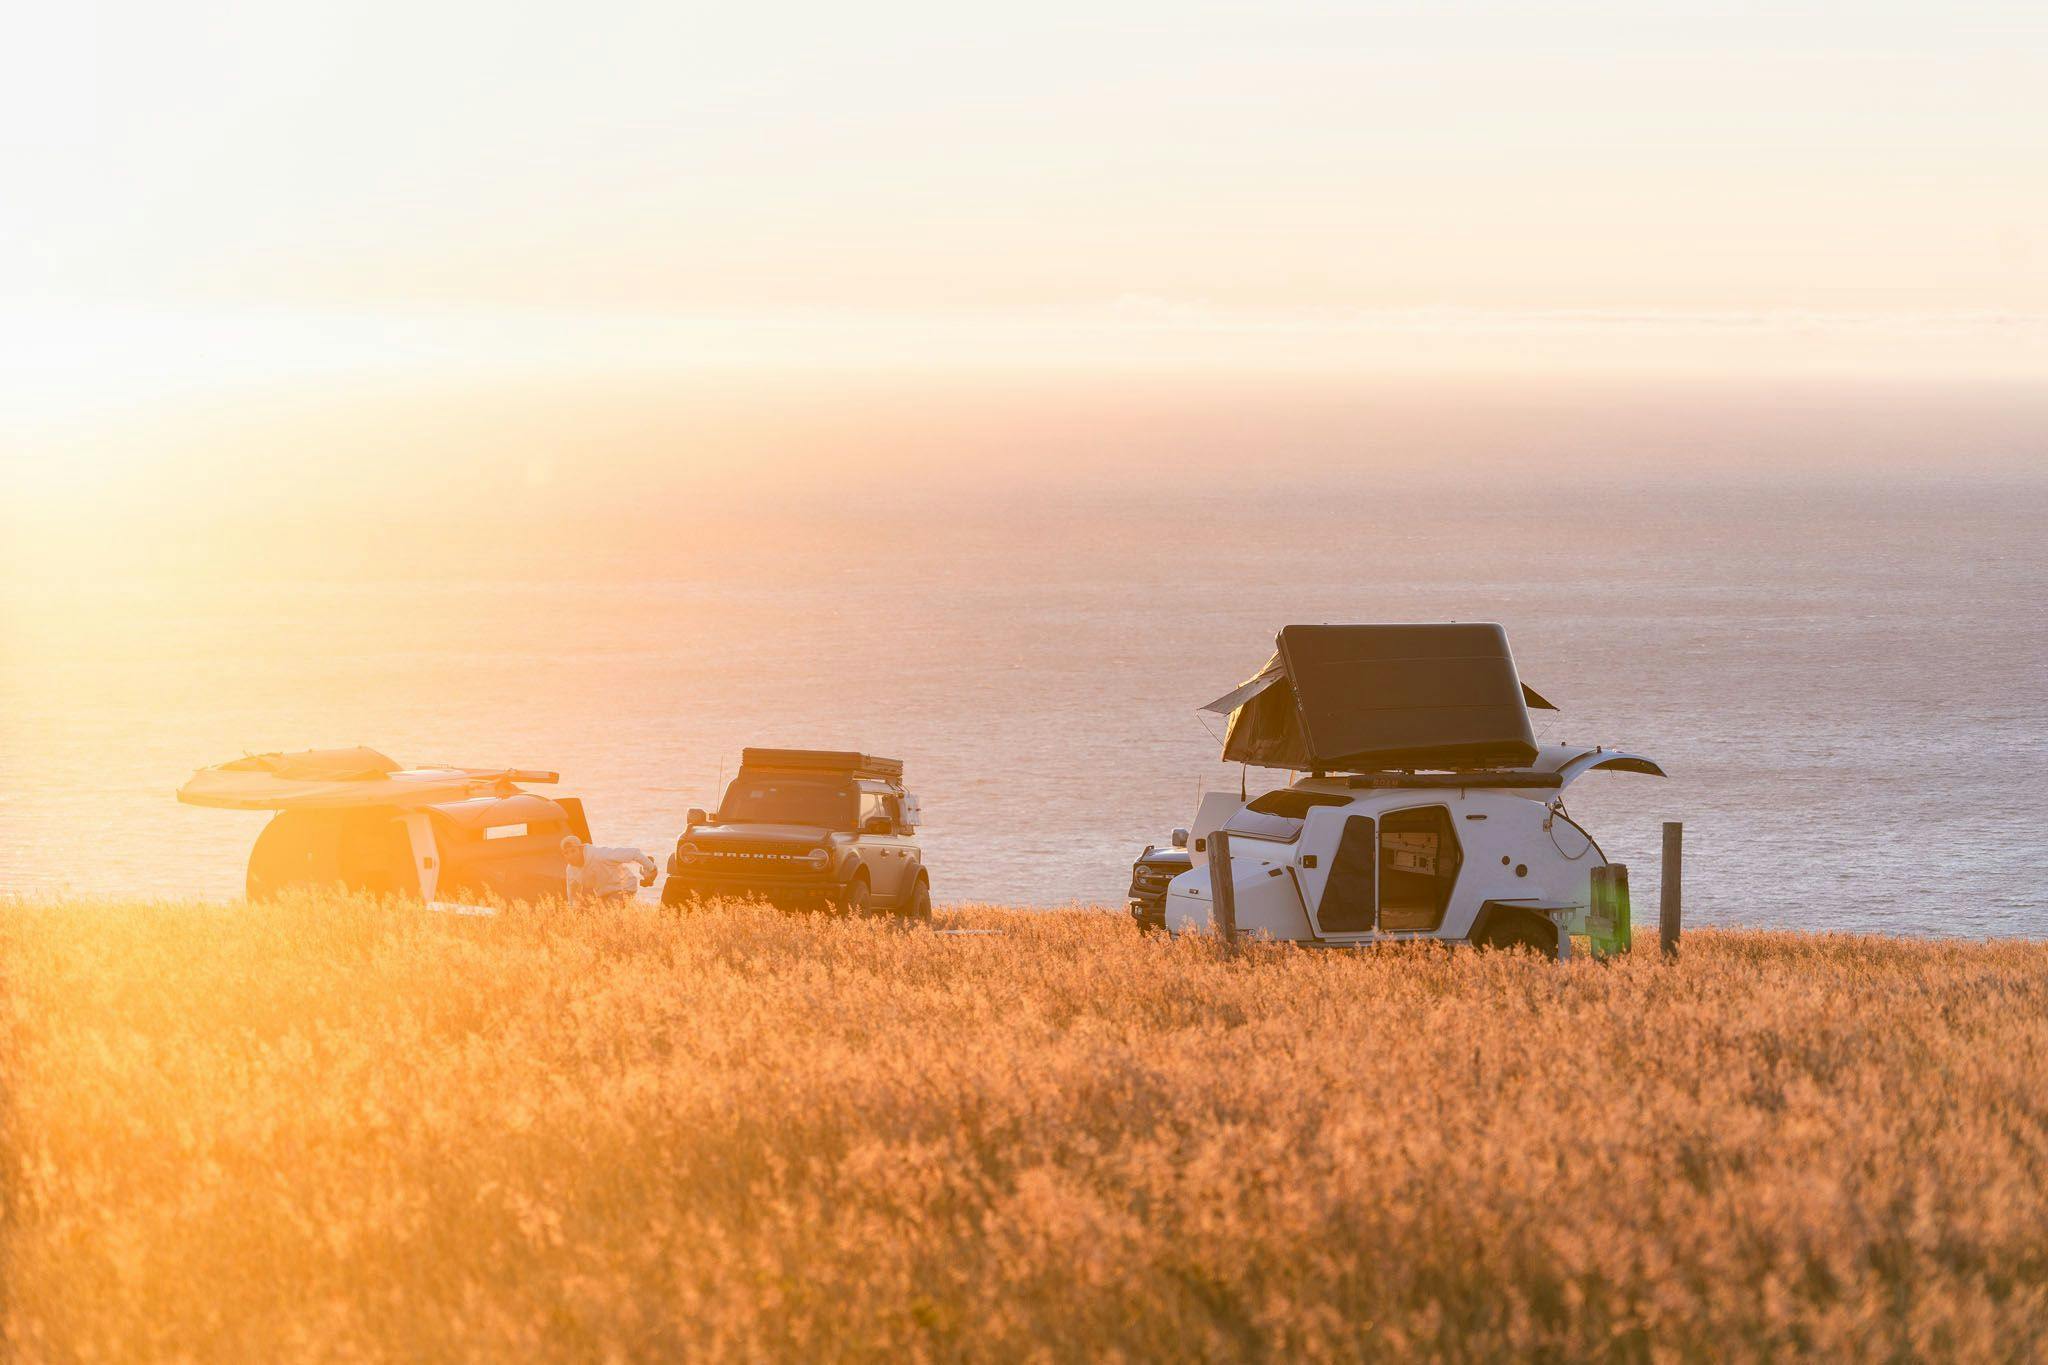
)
(854, 899)
(919, 907)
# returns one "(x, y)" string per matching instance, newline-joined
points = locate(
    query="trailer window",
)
(1279, 814)
(1419, 861)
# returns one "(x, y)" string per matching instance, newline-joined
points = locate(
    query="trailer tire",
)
(1508, 928)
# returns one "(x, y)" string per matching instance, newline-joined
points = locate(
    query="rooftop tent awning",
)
(1237, 696)
(1369, 697)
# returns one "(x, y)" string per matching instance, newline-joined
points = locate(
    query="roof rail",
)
(1521, 777)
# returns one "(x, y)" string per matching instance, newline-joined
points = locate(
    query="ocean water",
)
(1846, 677)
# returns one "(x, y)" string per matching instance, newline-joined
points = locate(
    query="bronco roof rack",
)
(826, 760)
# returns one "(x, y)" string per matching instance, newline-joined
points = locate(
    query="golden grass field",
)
(337, 1130)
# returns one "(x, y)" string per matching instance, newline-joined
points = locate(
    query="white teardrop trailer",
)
(1428, 811)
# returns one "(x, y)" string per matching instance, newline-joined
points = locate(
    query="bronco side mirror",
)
(696, 816)
(878, 824)
(1180, 838)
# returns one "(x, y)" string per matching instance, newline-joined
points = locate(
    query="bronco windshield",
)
(776, 799)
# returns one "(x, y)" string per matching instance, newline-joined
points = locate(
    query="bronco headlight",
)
(820, 859)
(687, 852)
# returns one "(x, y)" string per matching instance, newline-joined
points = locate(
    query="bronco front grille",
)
(741, 860)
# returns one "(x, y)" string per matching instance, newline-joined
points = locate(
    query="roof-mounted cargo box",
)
(824, 760)
(1370, 698)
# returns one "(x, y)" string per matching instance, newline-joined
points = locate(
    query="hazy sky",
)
(1277, 183)
(277, 273)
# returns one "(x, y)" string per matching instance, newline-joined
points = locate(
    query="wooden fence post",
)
(1222, 890)
(1668, 892)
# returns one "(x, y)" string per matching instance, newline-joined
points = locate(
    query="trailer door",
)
(1419, 862)
(1350, 899)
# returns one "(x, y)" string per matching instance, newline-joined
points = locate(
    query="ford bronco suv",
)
(1149, 875)
(806, 828)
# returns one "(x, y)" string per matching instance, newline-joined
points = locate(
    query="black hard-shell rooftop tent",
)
(1365, 698)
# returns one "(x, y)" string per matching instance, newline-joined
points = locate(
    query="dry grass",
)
(342, 1131)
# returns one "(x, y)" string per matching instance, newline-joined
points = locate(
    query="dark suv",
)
(1150, 874)
(806, 829)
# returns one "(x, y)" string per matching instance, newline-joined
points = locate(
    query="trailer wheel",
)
(920, 907)
(1521, 930)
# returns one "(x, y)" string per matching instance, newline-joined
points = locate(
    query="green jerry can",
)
(1607, 926)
